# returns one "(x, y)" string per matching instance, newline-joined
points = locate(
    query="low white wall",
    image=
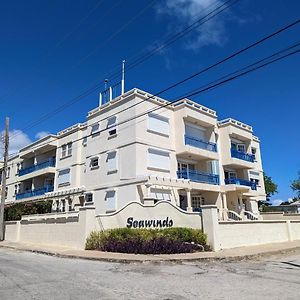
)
(56, 229)
(162, 211)
(238, 234)
(12, 229)
(280, 216)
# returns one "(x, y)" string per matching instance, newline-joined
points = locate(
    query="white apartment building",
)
(124, 152)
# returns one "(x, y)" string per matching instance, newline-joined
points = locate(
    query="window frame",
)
(94, 132)
(115, 200)
(59, 184)
(160, 118)
(157, 151)
(94, 158)
(116, 162)
(112, 128)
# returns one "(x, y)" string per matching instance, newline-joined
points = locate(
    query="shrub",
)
(17, 210)
(147, 241)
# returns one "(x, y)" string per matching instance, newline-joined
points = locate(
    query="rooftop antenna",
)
(123, 78)
(105, 90)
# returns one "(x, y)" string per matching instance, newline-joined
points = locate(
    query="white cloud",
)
(17, 140)
(276, 202)
(41, 134)
(186, 11)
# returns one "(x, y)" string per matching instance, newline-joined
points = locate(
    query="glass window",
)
(89, 197)
(95, 128)
(94, 162)
(158, 159)
(111, 161)
(111, 125)
(63, 176)
(158, 124)
(110, 199)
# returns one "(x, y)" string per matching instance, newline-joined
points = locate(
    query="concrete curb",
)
(225, 255)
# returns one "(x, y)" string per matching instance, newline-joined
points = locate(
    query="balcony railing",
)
(35, 192)
(198, 176)
(189, 140)
(45, 164)
(245, 182)
(242, 155)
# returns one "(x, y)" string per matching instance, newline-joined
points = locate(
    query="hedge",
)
(17, 210)
(147, 241)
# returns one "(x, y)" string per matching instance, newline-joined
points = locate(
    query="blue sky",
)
(52, 51)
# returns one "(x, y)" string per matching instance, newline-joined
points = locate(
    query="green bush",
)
(17, 210)
(147, 241)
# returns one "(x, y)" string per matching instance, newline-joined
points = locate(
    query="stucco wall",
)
(280, 216)
(238, 234)
(159, 211)
(62, 229)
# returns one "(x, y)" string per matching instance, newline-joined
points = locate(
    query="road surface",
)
(25, 275)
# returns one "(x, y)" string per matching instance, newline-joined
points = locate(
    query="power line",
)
(212, 85)
(252, 45)
(94, 88)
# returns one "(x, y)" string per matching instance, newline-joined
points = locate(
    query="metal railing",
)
(35, 192)
(251, 184)
(250, 216)
(189, 140)
(232, 215)
(45, 164)
(199, 176)
(242, 155)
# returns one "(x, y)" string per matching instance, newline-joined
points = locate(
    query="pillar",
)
(210, 225)
(189, 200)
(225, 209)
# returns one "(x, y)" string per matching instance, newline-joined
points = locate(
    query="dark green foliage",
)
(296, 185)
(16, 211)
(147, 241)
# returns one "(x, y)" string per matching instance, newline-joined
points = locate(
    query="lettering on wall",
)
(155, 223)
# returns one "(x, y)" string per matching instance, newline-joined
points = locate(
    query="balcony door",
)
(185, 167)
(195, 132)
(238, 146)
(230, 175)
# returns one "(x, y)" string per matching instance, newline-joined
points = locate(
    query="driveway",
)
(25, 275)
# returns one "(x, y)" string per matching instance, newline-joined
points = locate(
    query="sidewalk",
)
(235, 253)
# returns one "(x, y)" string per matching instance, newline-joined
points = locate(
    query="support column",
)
(189, 200)
(241, 206)
(225, 209)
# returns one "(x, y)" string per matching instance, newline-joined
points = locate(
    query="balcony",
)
(200, 144)
(35, 192)
(46, 164)
(242, 155)
(244, 182)
(199, 176)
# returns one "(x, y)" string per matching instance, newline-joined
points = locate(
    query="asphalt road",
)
(25, 275)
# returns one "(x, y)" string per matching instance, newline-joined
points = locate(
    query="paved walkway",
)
(235, 253)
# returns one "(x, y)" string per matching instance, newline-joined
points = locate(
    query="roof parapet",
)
(230, 121)
(72, 128)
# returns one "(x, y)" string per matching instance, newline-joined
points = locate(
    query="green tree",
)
(271, 189)
(296, 185)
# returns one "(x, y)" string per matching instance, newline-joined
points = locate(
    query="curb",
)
(157, 259)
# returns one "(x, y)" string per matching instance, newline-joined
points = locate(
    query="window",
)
(70, 208)
(6, 192)
(111, 125)
(110, 199)
(241, 148)
(197, 201)
(94, 162)
(253, 151)
(158, 159)
(112, 161)
(57, 205)
(89, 197)
(158, 124)
(8, 172)
(194, 131)
(16, 189)
(84, 141)
(95, 128)
(63, 177)
(66, 150)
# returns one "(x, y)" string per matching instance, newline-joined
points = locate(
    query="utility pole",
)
(4, 171)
